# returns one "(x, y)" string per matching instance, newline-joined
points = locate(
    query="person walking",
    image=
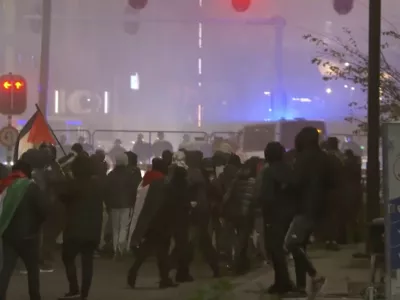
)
(84, 197)
(121, 201)
(23, 209)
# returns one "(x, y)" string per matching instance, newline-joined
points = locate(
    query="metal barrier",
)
(105, 139)
(72, 136)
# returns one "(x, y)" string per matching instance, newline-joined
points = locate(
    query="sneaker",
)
(70, 296)
(316, 286)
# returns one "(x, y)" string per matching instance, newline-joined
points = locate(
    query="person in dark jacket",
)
(121, 201)
(84, 198)
(311, 179)
(200, 215)
(153, 230)
(20, 227)
(161, 145)
(277, 199)
(167, 160)
(238, 209)
(133, 167)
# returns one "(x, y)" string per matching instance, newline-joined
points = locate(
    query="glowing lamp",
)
(7, 85)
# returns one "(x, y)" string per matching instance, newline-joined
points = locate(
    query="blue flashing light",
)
(73, 123)
(21, 122)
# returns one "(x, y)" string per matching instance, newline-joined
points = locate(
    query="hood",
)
(307, 139)
(274, 152)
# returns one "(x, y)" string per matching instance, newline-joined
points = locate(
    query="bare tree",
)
(343, 60)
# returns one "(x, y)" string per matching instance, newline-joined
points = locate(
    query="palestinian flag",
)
(10, 198)
(35, 132)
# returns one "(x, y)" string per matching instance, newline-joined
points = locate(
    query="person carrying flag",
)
(23, 209)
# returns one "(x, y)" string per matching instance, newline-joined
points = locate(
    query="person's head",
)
(77, 148)
(234, 160)
(140, 137)
(194, 159)
(332, 143)
(63, 139)
(82, 167)
(349, 153)
(167, 156)
(121, 160)
(117, 142)
(132, 158)
(186, 138)
(251, 165)
(307, 138)
(24, 167)
(100, 154)
(274, 152)
(157, 164)
(160, 135)
(81, 140)
(179, 159)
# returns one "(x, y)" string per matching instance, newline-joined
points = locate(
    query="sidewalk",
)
(338, 267)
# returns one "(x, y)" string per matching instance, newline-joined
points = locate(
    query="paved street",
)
(109, 280)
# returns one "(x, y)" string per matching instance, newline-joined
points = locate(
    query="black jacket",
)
(121, 188)
(277, 195)
(29, 216)
(84, 202)
(240, 200)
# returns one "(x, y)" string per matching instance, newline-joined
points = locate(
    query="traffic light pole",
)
(45, 56)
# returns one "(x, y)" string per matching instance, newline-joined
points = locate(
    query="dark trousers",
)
(296, 239)
(241, 229)
(154, 242)
(202, 239)
(182, 252)
(70, 250)
(28, 251)
(52, 228)
(274, 234)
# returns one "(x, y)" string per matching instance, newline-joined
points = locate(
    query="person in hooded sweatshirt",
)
(84, 197)
(153, 230)
(311, 179)
(201, 210)
(120, 201)
(238, 209)
(24, 209)
(276, 197)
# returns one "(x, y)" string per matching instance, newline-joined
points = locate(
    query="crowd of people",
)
(183, 201)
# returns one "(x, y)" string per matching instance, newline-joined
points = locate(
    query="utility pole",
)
(9, 29)
(373, 165)
(45, 56)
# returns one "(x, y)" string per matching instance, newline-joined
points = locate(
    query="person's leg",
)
(182, 248)
(69, 252)
(162, 245)
(28, 250)
(115, 222)
(9, 260)
(141, 255)
(124, 228)
(244, 229)
(274, 237)
(296, 237)
(87, 255)
(207, 248)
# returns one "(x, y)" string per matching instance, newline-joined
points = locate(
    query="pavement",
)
(109, 281)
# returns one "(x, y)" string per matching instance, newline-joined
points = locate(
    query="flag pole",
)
(51, 130)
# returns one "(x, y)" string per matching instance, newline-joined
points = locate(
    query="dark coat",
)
(240, 200)
(121, 186)
(84, 202)
(276, 195)
(29, 216)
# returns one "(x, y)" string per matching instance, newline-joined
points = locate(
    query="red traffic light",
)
(241, 5)
(19, 85)
(7, 85)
